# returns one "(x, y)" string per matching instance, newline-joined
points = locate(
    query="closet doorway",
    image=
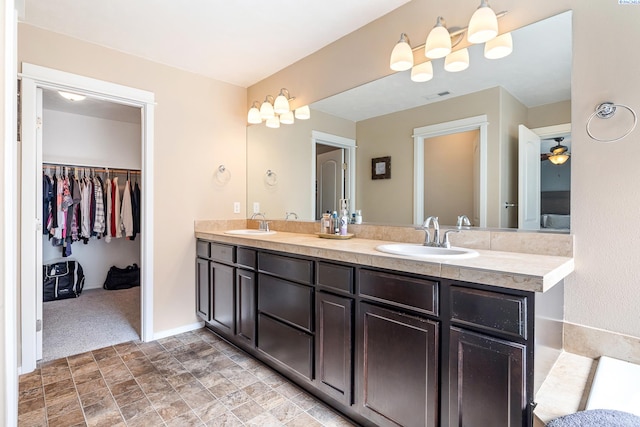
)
(121, 122)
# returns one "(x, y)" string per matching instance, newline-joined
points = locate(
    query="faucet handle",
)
(445, 239)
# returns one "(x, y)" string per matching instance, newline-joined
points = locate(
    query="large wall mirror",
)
(468, 170)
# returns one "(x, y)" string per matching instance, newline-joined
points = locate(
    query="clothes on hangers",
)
(79, 209)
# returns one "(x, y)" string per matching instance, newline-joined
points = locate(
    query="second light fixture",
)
(482, 28)
(276, 111)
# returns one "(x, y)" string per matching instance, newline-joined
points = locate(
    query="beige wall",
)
(391, 200)
(603, 292)
(274, 149)
(199, 124)
(449, 166)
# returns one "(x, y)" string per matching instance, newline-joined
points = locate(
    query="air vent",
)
(437, 95)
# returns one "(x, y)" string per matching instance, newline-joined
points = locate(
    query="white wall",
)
(78, 139)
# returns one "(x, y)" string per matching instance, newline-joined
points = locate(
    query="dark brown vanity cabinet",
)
(226, 290)
(334, 330)
(488, 382)
(398, 350)
(285, 311)
(386, 348)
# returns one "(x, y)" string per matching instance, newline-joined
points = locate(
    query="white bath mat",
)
(616, 385)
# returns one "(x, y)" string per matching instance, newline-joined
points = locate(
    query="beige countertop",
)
(528, 272)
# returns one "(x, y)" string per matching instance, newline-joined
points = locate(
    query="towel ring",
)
(223, 175)
(606, 110)
(271, 178)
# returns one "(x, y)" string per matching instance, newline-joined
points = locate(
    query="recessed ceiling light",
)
(71, 96)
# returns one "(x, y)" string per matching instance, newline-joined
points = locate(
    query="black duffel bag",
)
(62, 280)
(122, 278)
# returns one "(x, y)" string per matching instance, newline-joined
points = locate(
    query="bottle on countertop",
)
(344, 221)
(336, 222)
(325, 223)
(358, 216)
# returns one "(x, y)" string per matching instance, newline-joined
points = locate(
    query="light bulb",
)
(422, 72)
(402, 55)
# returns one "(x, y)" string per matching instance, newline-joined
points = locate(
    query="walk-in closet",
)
(91, 204)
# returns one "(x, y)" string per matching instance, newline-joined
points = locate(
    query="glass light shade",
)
(266, 110)
(558, 159)
(287, 118)
(273, 122)
(254, 116)
(71, 96)
(401, 55)
(457, 61)
(483, 25)
(303, 113)
(281, 104)
(499, 47)
(438, 42)
(422, 72)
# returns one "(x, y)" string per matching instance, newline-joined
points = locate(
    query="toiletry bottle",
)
(344, 220)
(358, 216)
(325, 223)
(336, 223)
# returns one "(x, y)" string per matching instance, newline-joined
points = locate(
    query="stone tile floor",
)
(191, 379)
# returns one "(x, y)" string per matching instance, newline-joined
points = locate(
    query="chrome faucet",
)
(463, 221)
(287, 214)
(436, 231)
(264, 224)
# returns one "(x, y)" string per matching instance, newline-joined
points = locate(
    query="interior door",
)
(330, 181)
(528, 179)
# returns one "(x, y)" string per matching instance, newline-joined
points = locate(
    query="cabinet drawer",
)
(223, 253)
(335, 276)
(492, 311)
(202, 249)
(299, 270)
(290, 346)
(286, 300)
(418, 294)
(246, 257)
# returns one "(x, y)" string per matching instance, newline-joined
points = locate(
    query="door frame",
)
(479, 123)
(349, 145)
(33, 77)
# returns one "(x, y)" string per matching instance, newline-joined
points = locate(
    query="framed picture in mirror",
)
(381, 168)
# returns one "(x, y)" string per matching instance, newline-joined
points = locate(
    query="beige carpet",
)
(97, 318)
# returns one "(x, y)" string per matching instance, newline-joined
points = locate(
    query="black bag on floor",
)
(122, 278)
(62, 280)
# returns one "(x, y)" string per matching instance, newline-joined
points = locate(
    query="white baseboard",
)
(176, 331)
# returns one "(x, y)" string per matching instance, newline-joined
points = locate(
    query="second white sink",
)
(427, 252)
(250, 232)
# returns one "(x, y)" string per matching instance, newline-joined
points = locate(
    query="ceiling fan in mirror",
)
(558, 154)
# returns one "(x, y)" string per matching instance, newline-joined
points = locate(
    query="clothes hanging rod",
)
(95, 168)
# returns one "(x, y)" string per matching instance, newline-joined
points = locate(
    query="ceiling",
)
(236, 41)
(94, 107)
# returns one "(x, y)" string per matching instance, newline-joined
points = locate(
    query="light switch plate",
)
(256, 207)
(236, 207)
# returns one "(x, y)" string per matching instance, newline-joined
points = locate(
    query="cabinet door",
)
(222, 307)
(486, 381)
(245, 306)
(400, 368)
(203, 290)
(334, 350)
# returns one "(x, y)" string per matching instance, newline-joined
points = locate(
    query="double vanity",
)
(388, 339)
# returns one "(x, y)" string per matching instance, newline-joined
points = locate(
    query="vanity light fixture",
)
(72, 96)
(276, 111)
(483, 25)
(499, 47)
(303, 113)
(457, 61)
(483, 28)
(438, 42)
(401, 55)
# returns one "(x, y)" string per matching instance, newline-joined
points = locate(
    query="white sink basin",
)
(427, 252)
(250, 232)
